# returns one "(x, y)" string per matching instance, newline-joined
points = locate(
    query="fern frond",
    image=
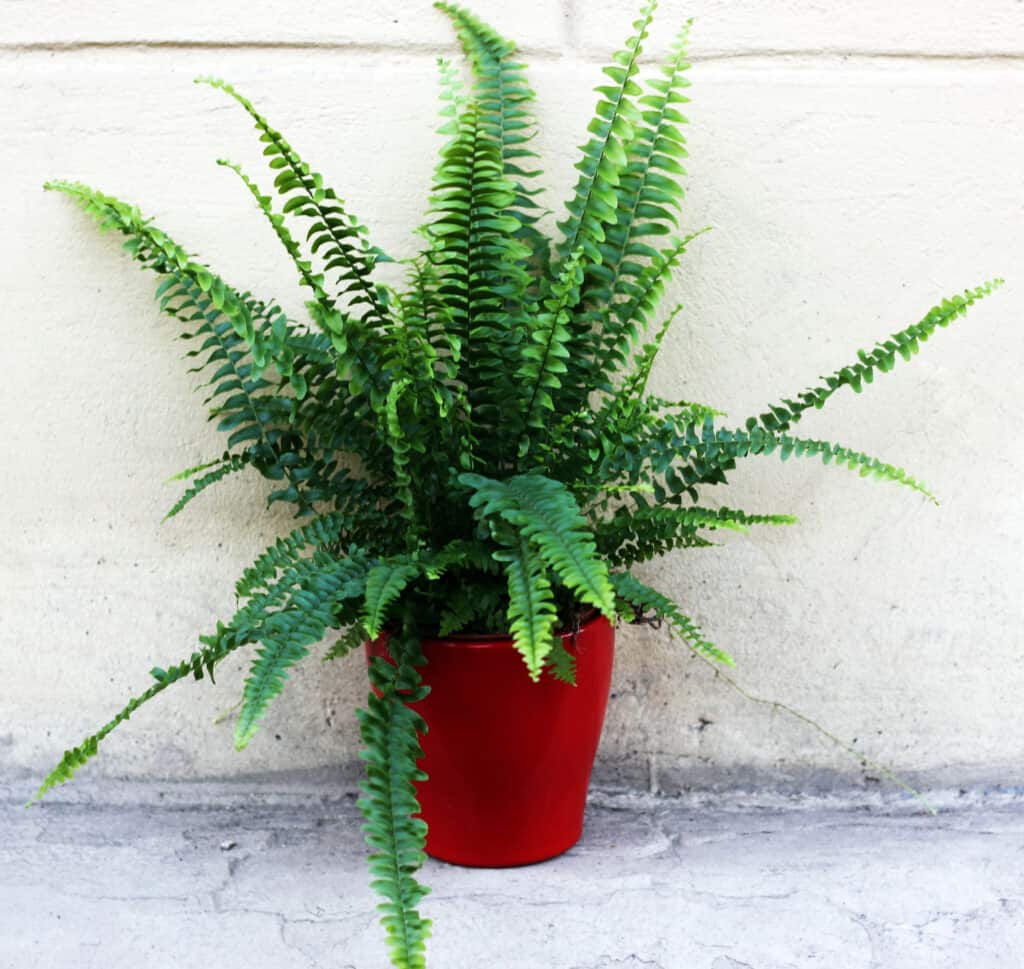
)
(266, 680)
(351, 639)
(238, 335)
(531, 612)
(638, 534)
(635, 598)
(286, 634)
(545, 353)
(628, 319)
(649, 194)
(384, 584)
(197, 468)
(307, 275)
(323, 531)
(594, 204)
(199, 665)
(394, 832)
(704, 453)
(561, 663)
(482, 604)
(480, 268)
(905, 343)
(502, 93)
(228, 465)
(544, 512)
(400, 449)
(340, 236)
(157, 251)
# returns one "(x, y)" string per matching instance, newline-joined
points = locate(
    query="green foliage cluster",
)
(475, 450)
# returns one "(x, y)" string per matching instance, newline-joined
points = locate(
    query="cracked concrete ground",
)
(169, 876)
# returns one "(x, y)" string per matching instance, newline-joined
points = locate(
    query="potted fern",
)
(473, 457)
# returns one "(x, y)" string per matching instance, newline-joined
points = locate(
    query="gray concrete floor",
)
(169, 876)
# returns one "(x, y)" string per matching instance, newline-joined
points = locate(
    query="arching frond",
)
(635, 598)
(905, 343)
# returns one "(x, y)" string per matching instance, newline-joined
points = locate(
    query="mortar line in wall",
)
(584, 55)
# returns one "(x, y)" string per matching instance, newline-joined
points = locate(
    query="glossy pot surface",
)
(508, 760)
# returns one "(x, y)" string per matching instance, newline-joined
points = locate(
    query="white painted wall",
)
(858, 160)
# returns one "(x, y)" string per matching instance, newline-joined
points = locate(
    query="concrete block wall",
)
(857, 161)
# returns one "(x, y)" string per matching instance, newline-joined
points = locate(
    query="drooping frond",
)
(238, 338)
(635, 598)
(531, 611)
(325, 530)
(394, 832)
(561, 664)
(308, 609)
(544, 513)
(350, 640)
(199, 665)
(881, 359)
(157, 251)
(384, 584)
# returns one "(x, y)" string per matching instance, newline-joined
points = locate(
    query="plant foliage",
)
(476, 449)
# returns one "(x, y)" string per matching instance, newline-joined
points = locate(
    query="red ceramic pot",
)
(508, 760)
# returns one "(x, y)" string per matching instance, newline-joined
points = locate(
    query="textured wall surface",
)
(857, 161)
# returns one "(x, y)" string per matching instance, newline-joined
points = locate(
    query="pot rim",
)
(504, 640)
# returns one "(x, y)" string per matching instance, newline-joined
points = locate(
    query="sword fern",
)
(472, 449)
